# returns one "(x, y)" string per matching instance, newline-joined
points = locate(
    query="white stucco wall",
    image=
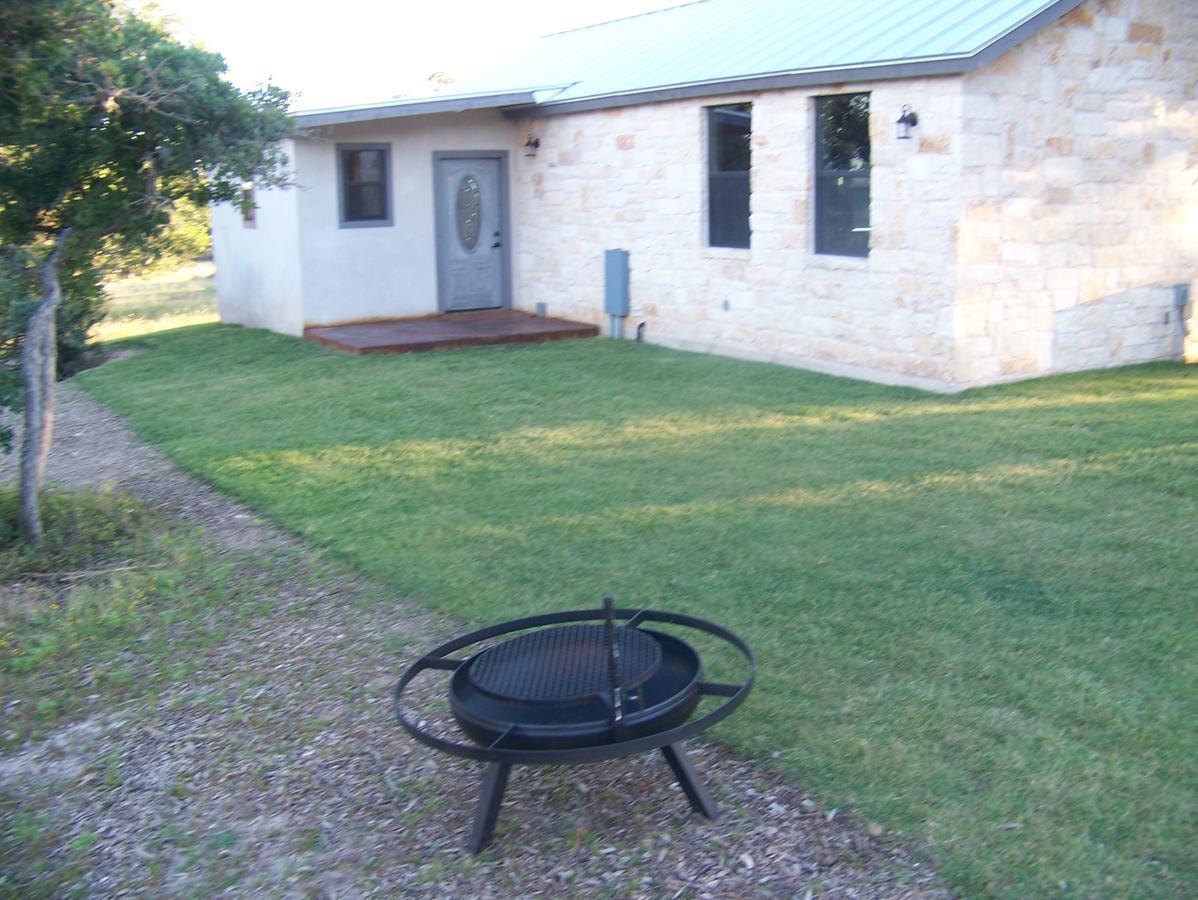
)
(636, 178)
(257, 267)
(1080, 194)
(352, 274)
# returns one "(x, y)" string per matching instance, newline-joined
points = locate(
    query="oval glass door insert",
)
(468, 209)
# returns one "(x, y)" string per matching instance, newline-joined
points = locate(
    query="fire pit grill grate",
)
(570, 662)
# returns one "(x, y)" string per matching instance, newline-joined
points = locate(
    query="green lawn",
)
(974, 616)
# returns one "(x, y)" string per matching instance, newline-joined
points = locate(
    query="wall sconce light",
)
(532, 145)
(906, 121)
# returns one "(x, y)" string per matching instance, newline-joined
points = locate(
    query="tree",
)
(105, 122)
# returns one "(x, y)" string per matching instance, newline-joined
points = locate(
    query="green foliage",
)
(106, 123)
(188, 236)
(15, 306)
(184, 238)
(133, 121)
(83, 305)
(973, 615)
(81, 528)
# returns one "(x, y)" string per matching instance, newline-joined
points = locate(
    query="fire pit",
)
(576, 687)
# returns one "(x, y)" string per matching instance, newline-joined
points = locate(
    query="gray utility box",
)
(615, 283)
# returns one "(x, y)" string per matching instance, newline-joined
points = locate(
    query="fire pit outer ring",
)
(439, 658)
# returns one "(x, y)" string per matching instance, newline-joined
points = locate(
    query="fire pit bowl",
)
(576, 687)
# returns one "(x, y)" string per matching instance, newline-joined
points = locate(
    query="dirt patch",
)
(279, 768)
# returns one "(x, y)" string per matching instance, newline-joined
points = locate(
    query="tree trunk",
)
(39, 368)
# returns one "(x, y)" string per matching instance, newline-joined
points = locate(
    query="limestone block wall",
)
(635, 178)
(1079, 189)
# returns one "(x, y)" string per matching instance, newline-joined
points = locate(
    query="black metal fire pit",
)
(576, 687)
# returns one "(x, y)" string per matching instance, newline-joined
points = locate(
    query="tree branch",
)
(104, 94)
(56, 254)
(151, 193)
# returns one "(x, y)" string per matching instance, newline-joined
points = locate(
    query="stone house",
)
(944, 194)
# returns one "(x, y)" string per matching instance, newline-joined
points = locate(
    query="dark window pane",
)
(729, 154)
(366, 165)
(844, 133)
(364, 185)
(730, 138)
(842, 215)
(365, 201)
(728, 196)
(842, 175)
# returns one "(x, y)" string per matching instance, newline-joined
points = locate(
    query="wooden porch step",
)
(449, 331)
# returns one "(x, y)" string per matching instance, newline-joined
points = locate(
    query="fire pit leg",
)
(689, 781)
(494, 784)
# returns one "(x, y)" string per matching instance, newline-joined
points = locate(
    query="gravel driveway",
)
(280, 770)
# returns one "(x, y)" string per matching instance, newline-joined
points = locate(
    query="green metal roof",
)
(710, 47)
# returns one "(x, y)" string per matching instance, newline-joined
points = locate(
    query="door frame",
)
(505, 223)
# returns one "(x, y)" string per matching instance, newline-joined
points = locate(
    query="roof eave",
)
(406, 108)
(774, 81)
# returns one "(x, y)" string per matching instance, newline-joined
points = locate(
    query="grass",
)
(97, 617)
(121, 603)
(973, 615)
(159, 302)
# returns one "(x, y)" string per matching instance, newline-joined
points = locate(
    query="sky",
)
(355, 51)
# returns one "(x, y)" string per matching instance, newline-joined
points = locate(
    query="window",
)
(729, 130)
(364, 184)
(842, 175)
(249, 212)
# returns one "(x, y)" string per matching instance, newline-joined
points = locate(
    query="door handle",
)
(497, 243)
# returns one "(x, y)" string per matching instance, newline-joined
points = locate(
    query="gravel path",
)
(280, 770)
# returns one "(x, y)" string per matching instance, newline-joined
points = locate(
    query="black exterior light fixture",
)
(532, 145)
(906, 121)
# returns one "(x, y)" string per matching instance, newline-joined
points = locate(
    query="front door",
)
(472, 252)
